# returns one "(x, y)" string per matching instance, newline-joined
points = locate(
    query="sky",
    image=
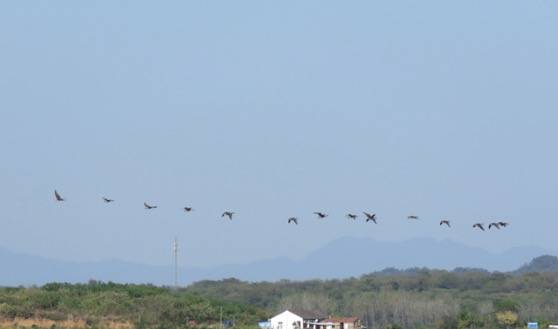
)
(274, 109)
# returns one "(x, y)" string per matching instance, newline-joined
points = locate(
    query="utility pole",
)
(175, 252)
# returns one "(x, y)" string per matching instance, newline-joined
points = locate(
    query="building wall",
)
(346, 325)
(353, 325)
(285, 320)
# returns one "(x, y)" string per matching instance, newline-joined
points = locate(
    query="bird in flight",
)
(148, 206)
(320, 214)
(370, 217)
(352, 216)
(107, 200)
(412, 217)
(446, 222)
(479, 225)
(503, 224)
(57, 196)
(228, 214)
(496, 225)
(188, 209)
(293, 220)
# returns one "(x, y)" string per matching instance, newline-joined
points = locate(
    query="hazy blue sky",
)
(274, 109)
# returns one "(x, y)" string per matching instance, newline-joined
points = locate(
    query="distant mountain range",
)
(338, 259)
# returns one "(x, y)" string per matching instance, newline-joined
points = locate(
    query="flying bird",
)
(503, 224)
(496, 225)
(370, 217)
(412, 217)
(293, 220)
(188, 209)
(57, 196)
(352, 216)
(107, 200)
(479, 225)
(148, 206)
(228, 214)
(320, 214)
(446, 222)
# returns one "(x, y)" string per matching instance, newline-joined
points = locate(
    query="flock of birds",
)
(370, 217)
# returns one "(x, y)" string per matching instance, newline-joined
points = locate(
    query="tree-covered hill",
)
(544, 263)
(416, 298)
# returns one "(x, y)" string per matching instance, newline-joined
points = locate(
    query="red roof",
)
(351, 319)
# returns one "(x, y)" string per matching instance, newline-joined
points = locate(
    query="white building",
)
(294, 320)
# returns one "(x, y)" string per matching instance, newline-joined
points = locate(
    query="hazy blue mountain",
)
(545, 263)
(340, 258)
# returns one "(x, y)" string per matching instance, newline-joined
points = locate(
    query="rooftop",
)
(306, 315)
(350, 319)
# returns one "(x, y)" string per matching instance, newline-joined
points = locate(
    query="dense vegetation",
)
(414, 298)
(131, 306)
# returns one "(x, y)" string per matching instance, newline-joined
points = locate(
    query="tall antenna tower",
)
(175, 253)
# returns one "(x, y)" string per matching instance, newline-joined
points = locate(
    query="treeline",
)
(416, 298)
(100, 305)
(412, 299)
